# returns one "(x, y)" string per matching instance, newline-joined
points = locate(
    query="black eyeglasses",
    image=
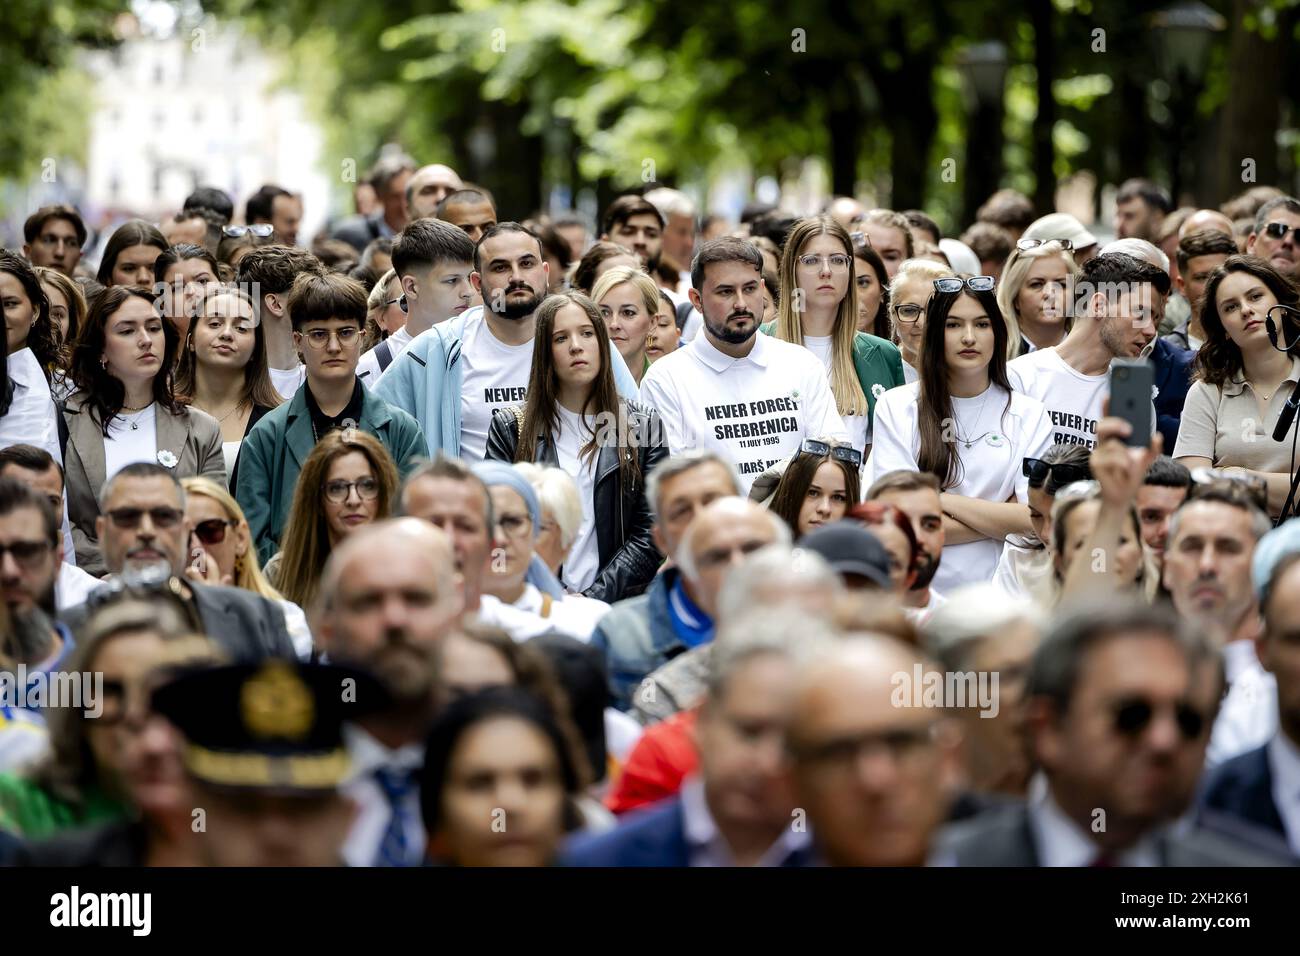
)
(1134, 715)
(128, 519)
(338, 490)
(812, 446)
(974, 283)
(262, 230)
(212, 531)
(908, 312)
(1038, 471)
(1024, 245)
(1278, 230)
(26, 554)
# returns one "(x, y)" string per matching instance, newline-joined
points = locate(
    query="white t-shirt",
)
(368, 369)
(230, 452)
(287, 381)
(520, 625)
(132, 437)
(73, 586)
(753, 411)
(574, 615)
(990, 468)
(495, 375)
(1025, 573)
(920, 616)
(583, 563)
(855, 425)
(1073, 399)
(295, 622)
(32, 418)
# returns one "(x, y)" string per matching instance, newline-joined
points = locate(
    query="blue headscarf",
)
(494, 473)
(1271, 549)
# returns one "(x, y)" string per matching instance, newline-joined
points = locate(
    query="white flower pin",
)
(877, 390)
(1155, 392)
(166, 459)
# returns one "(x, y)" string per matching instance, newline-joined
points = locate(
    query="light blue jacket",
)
(425, 380)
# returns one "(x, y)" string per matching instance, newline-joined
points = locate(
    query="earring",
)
(103, 362)
(239, 566)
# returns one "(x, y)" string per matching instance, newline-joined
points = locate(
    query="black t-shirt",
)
(350, 417)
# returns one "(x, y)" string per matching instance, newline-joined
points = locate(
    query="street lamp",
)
(983, 66)
(1184, 33)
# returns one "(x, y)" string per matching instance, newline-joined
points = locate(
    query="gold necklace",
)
(238, 405)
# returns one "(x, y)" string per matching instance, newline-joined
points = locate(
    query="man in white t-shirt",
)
(916, 495)
(267, 274)
(433, 261)
(751, 398)
(1116, 304)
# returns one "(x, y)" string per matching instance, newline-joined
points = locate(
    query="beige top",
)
(1223, 424)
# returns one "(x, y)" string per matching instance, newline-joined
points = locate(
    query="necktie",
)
(396, 785)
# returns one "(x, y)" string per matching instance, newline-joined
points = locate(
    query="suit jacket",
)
(114, 844)
(274, 451)
(1243, 788)
(628, 557)
(1172, 379)
(1003, 836)
(245, 625)
(193, 437)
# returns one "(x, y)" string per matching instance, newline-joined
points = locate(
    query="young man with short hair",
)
(328, 313)
(433, 261)
(1140, 208)
(53, 237)
(427, 187)
(281, 208)
(1199, 254)
(454, 375)
(267, 274)
(389, 178)
(633, 222)
(750, 397)
(470, 210)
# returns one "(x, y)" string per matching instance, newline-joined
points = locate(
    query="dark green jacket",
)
(274, 451)
(29, 809)
(878, 363)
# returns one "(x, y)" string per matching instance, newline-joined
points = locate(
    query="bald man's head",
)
(389, 594)
(872, 766)
(427, 187)
(719, 538)
(1205, 220)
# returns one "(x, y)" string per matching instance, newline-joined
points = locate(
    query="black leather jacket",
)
(628, 556)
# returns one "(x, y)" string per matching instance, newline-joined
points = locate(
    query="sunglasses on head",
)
(262, 230)
(212, 531)
(1038, 471)
(974, 283)
(1024, 245)
(1134, 715)
(812, 446)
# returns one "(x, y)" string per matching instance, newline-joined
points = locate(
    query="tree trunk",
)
(1042, 15)
(1250, 116)
(845, 121)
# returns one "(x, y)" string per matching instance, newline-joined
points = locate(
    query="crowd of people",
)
(449, 538)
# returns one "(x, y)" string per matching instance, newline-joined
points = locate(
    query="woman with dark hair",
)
(130, 254)
(575, 419)
(184, 272)
(1078, 514)
(558, 255)
(499, 755)
(125, 410)
(597, 260)
(223, 369)
(1242, 382)
(894, 530)
(818, 309)
(238, 241)
(819, 485)
(873, 289)
(665, 335)
(33, 356)
(962, 423)
(348, 481)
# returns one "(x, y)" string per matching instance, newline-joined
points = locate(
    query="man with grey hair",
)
(1276, 235)
(640, 633)
(429, 186)
(983, 631)
(773, 578)
(144, 536)
(1122, 696)
(389, 178)
(1212, 540)
(388, 597)
(738, 809)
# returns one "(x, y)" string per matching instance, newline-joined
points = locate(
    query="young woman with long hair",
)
(575, 419)
(962, 423)
(818, 309)
(130, 254)
(223, 368)
(125, 410)
(182, 275)
(28, 324)
(873, 289)
(1036, 293)
(348, 481)
(628, 300)
(820, 484)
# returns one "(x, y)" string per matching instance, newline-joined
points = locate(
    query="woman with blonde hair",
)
(348, 481)
(384, 313)
(628, 300)
(1035, 293)
(222, 552)
(818, 309)
(909, 292)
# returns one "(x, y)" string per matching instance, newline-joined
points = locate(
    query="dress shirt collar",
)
(719, 361)
(1061, 841)
(369, 755)
(1237, 384)
(708, 847)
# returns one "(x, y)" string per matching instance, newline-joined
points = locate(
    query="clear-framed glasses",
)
(320, 338)
(839, 261)
(338, 490)
(974, 283)
(1024, 245)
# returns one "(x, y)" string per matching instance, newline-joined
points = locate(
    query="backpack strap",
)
(384, 355)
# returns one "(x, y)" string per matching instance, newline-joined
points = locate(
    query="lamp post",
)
(1183, 35)
(984, 68)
